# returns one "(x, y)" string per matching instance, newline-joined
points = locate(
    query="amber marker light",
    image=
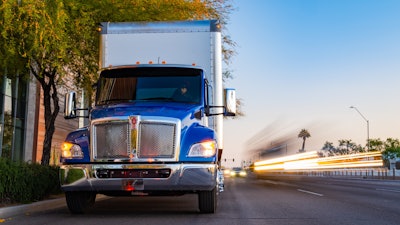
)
(70, 150)
(66, 149)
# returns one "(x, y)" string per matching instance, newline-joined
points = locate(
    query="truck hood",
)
(170, 109)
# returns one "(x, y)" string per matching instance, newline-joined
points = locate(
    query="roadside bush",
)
(26, 182)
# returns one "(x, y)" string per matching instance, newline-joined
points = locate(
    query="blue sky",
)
(301, 64)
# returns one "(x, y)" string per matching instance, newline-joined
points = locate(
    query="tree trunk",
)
(50, 99)
(47, 79)
(304, 143)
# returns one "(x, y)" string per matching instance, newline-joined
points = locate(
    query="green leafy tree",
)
(304, 134)
(347, 146)
(328, 147)
(54, 40)
(33, 39)
(392, 149)
(358, 148)
(376, 145)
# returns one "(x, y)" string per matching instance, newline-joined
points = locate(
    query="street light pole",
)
(353, 107)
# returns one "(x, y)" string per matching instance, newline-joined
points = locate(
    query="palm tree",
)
(304, 134)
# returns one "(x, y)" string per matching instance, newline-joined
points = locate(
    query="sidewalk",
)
(41, 206)
(7, 212)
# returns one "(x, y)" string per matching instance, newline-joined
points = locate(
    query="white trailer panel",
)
(182, 42)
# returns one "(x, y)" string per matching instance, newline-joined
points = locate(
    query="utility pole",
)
(353, 107)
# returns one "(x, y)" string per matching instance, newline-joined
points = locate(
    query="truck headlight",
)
(70, 150)
(203, 149)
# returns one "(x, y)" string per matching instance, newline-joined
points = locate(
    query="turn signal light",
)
(70, 151)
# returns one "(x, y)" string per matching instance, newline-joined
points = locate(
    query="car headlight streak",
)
(311, 161)
(203, 149)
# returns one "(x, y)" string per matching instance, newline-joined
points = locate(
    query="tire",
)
(208, 201)
(78, 202)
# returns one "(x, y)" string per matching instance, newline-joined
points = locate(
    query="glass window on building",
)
(12, 117)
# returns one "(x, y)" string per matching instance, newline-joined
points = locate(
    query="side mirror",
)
(70, 105)
(230, 102)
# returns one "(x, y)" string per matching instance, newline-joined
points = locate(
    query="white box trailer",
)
(195, 43)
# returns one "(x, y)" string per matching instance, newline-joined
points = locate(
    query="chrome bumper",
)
(182, 177)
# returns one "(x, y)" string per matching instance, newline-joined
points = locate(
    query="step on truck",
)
(156, 124)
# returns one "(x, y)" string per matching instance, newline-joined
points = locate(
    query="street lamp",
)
(353, 107)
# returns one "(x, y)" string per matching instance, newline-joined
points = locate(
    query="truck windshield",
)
(149, 84)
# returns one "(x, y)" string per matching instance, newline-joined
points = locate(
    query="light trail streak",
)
(311, 161)
(306, 155)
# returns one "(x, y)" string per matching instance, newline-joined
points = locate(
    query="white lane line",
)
(279, 183)
(390, 190)
(310, 192)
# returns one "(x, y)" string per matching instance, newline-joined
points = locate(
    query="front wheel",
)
(79, 201)
(208, 201)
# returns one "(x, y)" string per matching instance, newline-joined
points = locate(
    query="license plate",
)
(133, 185)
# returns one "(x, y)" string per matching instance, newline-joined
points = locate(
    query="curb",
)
(41, 206)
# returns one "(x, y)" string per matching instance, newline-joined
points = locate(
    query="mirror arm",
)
(208, 107)
(83, 109)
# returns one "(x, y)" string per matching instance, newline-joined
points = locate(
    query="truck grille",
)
(112, 140)
(155, 139)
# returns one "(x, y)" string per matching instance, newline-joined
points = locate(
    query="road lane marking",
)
(279, 183)
(310, 192)
(391, 190)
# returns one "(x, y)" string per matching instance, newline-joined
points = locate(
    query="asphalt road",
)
(274, 201)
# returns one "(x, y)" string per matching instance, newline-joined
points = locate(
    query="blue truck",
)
(156, 124)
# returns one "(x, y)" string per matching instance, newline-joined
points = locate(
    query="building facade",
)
(22, 126)
(13, 102)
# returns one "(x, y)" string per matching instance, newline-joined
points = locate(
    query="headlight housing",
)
(71, 151)
(204, 149)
